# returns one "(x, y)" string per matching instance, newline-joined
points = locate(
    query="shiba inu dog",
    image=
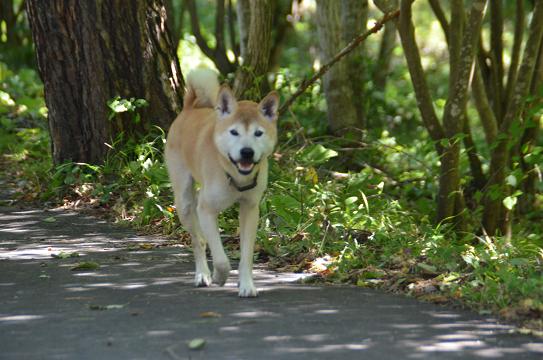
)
(223, 145)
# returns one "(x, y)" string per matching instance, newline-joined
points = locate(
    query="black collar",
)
(242, 188)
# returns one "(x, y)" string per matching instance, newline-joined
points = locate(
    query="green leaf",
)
(511, 180)
(317, 154)
(196, 344)
(520, 261)
(50, 220)
(510, 202)
(140, 103)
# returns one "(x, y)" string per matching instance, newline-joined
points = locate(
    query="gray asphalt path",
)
(140, 304)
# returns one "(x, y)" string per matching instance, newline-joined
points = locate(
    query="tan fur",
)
(193, 154)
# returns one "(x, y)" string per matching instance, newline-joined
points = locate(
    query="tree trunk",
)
(406, 30)
(251, 76)
(243, 10)
(354, 17)
(530, 137)
(91, 51)
(282, 27)
(7, 15)
(386, 47)
(494, 211)
(462, 61)
(175, 12)
(217, 54)
(337, 90)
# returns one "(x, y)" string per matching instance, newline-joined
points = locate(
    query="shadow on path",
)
(141, 305)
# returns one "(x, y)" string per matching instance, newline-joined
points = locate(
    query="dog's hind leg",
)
(185, 203)
(207, 217)
(203, 275)
(248, 222)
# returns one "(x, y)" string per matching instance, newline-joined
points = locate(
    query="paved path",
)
(141, 305)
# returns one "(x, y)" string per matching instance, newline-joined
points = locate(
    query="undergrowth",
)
(357, 211)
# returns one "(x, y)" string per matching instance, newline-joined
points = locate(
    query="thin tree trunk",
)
(496, 53)
(175, 20)
(91, 51)
(515, 53)
(455, 108)
(216, 54)
(486, 114)
(337, 90)
(354, 17)
(412, 56)
(475, 164)
(494, 212)
(282, 27)
(244, 21)
(386, 47)
(251, 76)
(529, 139)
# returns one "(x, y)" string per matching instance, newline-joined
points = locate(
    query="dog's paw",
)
(220, 273)
(247, 290)
(202, 279)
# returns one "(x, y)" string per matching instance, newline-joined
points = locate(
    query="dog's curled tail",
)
(202, 89)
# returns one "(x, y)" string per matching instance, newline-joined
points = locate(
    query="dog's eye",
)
(234, 132)
(258, 133)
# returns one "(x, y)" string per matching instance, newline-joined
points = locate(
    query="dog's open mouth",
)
(244, 166)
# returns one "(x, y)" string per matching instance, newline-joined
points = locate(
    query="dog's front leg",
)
(207, 217)
(248, 222)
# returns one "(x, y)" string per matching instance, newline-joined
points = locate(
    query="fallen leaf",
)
(106, 307)
(65, 255)
(87, 265)
(50, 219)
(430, 269)
(210, 314)
(196, 344)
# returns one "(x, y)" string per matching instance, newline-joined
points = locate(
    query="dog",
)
(223, 145)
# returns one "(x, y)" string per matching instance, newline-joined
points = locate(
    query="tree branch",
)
(440, 15)
(486, 114)
(496, 53)
(515, 53)
(195, 25)
(346, 50)
(412, 56)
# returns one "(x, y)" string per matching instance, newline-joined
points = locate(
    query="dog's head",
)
(246, 132)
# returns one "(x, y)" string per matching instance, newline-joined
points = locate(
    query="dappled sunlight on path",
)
(141, 304)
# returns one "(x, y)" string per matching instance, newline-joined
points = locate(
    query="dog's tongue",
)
(245, 164)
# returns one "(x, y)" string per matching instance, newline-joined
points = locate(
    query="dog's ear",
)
(269, 105)
(226, 102)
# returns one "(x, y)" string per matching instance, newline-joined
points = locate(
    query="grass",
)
(352, 211)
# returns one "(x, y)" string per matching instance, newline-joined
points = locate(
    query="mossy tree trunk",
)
(337, 86)
(354, 17)
(250, 79)
(88, 52)
(494, 211)
(447, 136)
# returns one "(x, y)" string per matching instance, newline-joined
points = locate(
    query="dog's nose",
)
(247, 153)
